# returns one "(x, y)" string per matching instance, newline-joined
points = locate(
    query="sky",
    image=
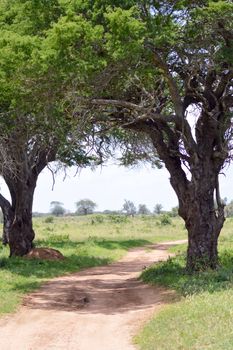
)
(109, 186)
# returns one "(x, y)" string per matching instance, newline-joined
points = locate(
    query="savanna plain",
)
(202, 316)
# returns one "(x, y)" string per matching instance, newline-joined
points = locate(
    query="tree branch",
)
(147, 113)
(226, 77)
(44, 158)
(173, 87)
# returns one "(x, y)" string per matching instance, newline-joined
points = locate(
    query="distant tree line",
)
(87, 206)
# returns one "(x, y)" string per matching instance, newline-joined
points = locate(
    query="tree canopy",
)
(35, 127)
(57, 208)
(153, 76)
(168, 74)
(129, 208)
(85, 206)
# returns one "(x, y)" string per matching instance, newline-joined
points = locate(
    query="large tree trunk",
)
(21, 234)
(204, 223)
(203, 219)
(203, 236)
(21, 182)
(17, 230)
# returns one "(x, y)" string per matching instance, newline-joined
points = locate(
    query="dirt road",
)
(99, 308)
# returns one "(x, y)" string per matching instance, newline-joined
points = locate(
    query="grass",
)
(203, 318)
(197, 323)
(85, 242)
(111, 226)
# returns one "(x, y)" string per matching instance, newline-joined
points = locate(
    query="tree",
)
(158, 209)
(143, 210)
(129, 208)
(168, 74)
(35, 127)
(158, 69)
(175, 211)
(57, 208)
(85, 206)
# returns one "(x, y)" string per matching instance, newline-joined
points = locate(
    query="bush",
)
(49, 220)
(165, 220)
(98, 219)
(118, 219)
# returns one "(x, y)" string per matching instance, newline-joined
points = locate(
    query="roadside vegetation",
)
(85, 241)
(203, 318)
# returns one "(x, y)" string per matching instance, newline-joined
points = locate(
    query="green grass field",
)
(203, 318)
(85, 242)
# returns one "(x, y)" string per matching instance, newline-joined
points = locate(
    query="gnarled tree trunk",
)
(21, 233)
(203, 222)
(18, 228)
(203, 218)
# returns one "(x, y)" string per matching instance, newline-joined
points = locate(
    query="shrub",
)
(98, 219)
(165, 220)
(118, 219)
(49, 220)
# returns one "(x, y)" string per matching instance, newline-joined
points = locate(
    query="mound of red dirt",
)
(45, 254)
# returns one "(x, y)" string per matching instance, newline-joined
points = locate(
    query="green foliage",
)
(165, 220)
(57, 208)
(129, 208)
(55, 51)
(85, 206)
(97, 219)
(143, 210)
(118, 219)
(39, 58)
(49, 220)
(125, 33)
(158, 208)
(173, 274)
(174, 211)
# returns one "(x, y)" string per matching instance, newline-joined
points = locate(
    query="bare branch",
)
(173, 88)
(147, 113)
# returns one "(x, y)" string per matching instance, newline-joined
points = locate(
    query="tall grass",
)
(114, 227)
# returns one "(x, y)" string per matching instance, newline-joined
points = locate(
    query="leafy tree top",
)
(85, 206)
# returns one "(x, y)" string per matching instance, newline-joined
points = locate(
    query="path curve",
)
(99, 308)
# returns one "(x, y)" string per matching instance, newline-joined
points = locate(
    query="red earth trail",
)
(99, 308)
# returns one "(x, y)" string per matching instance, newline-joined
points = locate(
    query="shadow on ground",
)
(24, 275)
(112, 289)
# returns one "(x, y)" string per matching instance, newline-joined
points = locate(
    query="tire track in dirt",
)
(99, 308)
